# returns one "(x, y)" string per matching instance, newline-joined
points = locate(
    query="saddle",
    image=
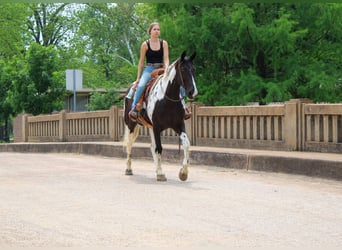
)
(142, 116)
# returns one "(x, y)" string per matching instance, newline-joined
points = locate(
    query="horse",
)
(164, 109)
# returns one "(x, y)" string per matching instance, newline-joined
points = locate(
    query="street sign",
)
(73, 76)
(74, 82)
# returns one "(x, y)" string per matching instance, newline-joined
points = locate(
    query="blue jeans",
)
(144, 79)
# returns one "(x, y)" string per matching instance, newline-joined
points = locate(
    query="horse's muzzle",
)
(192, 94)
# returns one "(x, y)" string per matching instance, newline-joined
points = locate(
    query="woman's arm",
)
(143, 49)
(166, 54)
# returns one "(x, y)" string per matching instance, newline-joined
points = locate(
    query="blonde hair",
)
(151, 27)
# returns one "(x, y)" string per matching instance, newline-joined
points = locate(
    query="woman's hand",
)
(135, 84)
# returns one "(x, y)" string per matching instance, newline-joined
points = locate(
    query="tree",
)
(12, 21)
(50, 23)
(12, 28)
(245, 51)
(104, 101)
(38, 88)
(320, 52)
(110, 36)
(6, 110)
(259, 52)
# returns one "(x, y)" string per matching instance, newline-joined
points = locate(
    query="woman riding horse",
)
(164, 109)
(155, 51)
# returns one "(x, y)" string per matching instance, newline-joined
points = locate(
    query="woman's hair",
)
(151, 27)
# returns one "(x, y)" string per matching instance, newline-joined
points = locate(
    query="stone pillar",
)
(301, 122)
(293, 125)
(18, 128)
(62, 126)
(114, 123)
(192, 123)
(25, 128)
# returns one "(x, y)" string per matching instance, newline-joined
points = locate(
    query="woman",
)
(156, 52)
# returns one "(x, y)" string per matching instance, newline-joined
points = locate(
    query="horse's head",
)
(186, 71)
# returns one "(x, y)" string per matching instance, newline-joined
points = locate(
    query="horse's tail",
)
(131, 129)
(125, 138)
(128, 138)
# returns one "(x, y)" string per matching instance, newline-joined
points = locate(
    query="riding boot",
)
(133, 115)
(187, 114)
(135, 112)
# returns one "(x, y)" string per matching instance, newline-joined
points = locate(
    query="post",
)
(291, 134)
(193, 122)
(302, 118)
(62, 126)
(114, 123)
(293, 131)
(24, 128)
(74, 88)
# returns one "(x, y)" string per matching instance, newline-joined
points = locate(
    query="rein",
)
(174, 100)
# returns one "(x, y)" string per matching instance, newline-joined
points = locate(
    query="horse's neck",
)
(165, 86)
(173, 90)
(169, 83)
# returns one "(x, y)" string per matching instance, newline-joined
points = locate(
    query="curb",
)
(303, 163)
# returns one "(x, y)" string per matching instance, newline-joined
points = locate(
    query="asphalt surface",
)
(75, 200)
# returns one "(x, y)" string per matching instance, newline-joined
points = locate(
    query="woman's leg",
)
(145, 77)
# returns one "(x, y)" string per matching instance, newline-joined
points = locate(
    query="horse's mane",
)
(166, 77)
(170, 73)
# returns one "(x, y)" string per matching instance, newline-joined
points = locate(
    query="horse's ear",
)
(192, 57)
(183, 55)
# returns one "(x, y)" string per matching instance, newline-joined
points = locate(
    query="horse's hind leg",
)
(183, 173)
(129, 140)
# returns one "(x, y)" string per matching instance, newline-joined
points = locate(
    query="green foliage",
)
(99, 101)
(260, 52)
(49, 24)
(12, 25)
(37, 87)
(112, 38)
(246, 52)
(5, 84)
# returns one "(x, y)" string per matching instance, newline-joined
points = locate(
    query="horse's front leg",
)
(156, 150)
(183, 173)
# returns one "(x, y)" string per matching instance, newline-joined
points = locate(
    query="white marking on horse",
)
(159, 89)
(185, 140)
(195, 87)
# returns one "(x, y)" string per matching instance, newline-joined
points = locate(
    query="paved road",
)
(59, 200)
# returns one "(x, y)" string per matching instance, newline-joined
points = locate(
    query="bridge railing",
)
(294, 125)
(322, 127)
(80, 126)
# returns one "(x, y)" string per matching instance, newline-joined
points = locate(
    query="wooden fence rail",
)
(295, 125)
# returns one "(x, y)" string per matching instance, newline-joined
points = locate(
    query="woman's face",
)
(155, 31)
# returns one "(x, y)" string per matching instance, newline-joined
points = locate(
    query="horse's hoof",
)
(161, 177)
(129, 172)
(182, 176)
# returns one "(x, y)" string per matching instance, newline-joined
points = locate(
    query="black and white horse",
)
(164, 109)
